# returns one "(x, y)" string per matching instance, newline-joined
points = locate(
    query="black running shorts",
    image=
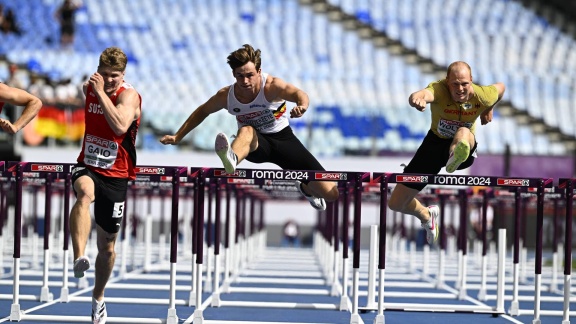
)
(432, 156)
(110, 196)
(285, 150)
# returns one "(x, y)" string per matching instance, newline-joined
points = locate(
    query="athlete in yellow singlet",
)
(455, 104)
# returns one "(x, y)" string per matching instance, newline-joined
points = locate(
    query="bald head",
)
(459, 68)
(459, 81)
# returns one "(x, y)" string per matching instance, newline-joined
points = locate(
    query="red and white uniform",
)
(103, 151)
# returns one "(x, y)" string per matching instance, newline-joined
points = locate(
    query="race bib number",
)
(100, 152)
(118, 210)
(448, 128)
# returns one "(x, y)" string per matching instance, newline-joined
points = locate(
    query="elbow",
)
(36, 104)
(119, 131)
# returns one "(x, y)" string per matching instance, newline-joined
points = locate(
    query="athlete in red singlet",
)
(105, 165)
(18, 97)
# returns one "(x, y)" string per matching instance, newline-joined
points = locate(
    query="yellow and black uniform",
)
(447, 116)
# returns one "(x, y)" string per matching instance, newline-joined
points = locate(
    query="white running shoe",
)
(317, 203)
(459, 155)
(431, 226)
(80, 266)
(225, 153)
(99, 314)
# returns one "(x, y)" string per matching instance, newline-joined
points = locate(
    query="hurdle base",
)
(482, 294)
(345, 303)
(15, 313)
(463, 294)
(335, 291)
(536, 321)
(46, 295)
(207, 286)
(83, 283)
(215, 300)
(379, 319)
(64, 295)
(514, 308)
(198, 316)
(172, 317)
(225, 287)
(192, 298)
(356, 319)
(566, 322)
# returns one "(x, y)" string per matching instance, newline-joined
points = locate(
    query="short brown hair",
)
(114, 58)
(244, 55)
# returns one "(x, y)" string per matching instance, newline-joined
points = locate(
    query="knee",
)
(332, 194)
(396, 204)
(107, 254)
(246, 131)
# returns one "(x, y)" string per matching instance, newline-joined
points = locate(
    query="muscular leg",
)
(80, 221)
(104, 261)
(463, 133)
(246, 141)
(322, 189)
(403, 200)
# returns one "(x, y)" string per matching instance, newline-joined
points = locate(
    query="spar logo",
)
(412, 179)
(223, 173)
(47, 167)
(331, 176)
(240, 181)
(513, 182)
(150, 170)
(91, 139)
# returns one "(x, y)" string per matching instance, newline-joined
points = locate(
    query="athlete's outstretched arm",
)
(420, 99)
(19, 97)
(214, 104)
(486, 115)
(281, 89)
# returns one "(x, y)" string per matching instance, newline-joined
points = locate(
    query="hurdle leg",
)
(45, 294)
(33, 247)
(463, 293)
(482, 290)
(412, 257)
(344, 300)
(380, 316)
(566, 307)
(441, 265)
(216, 293)
(148, 243)
(226, 282)
(355, 317)
(523, 257)
(192, 296)
(459, 277)
(198, 316)
(64, 291)
(208, 282)
(371, 302)
(1, 255)
(162, 247)
(425, 261)
(172, 318)
(335, 284)
(515, 304)
(554, 280)
(501, 270)
(537, 294)
(15, 313)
